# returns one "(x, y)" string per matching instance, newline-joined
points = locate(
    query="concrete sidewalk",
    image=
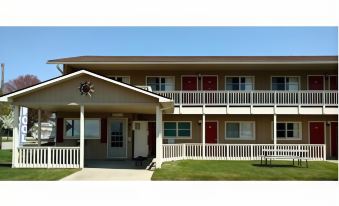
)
(111, 170)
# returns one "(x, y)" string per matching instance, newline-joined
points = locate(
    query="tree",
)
(7, 122)
(5, 108)
(22, 82)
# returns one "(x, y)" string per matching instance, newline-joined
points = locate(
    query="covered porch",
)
(76, 96)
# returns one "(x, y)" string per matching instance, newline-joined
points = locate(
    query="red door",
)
(211, 132)
(315, 82)
(334, 139)
(333, 82)
(189, 83)
(210, 83)
(151, 138)
(317, 133)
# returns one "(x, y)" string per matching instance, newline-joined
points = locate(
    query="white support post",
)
(180, 102)
(183, 151)
(275, 132)
(158, 137)
(203, 135)
(82, 135)
(39, 127)
(15, 136)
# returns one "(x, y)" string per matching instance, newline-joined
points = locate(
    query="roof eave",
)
(192, 62)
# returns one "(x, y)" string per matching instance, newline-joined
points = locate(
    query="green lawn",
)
(5, 156)
(8, 173)
(244, 170)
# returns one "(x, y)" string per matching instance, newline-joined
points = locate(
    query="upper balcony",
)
(254, 102)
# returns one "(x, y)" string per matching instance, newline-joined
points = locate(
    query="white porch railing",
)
(237, 151)
(48, 157)
(268, 97)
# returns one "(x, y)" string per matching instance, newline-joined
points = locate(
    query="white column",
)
(15, 136)
(275, 132)
(203, 134)
(82, 135)
(39, 127)
(158, 137)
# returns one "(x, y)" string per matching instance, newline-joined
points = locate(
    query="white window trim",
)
(128, 77)
(78, 137)
(173, 77)
(299, 88)
(287, 139)
(253, 81)
(177, 137)
(240, 138)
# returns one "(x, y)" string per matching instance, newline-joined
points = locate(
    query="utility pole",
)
(2, 77)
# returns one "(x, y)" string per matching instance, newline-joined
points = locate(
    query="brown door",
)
(211, 132)
(316, 82)
(210, 83)
(151, 138)
(317, 133)
(189, 83)
(334, 139)
(333, 82)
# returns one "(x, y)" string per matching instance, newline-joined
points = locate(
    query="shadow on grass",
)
(275, 165)
(5, 164)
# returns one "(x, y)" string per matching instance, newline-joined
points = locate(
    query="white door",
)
(117, 144)
(140, 138)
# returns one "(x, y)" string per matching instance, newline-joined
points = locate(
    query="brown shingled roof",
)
(191, 59)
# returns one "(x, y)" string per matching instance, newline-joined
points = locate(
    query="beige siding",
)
(94, 149)
(262, 73)
(67, 92)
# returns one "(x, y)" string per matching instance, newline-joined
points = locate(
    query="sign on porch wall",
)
(23, 119)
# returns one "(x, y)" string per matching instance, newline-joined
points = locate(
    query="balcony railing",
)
(259, 98)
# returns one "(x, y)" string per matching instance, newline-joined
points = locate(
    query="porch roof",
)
(62, 94)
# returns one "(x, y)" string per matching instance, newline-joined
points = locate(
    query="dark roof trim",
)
(193, 59)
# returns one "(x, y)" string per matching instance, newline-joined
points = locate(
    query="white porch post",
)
(39, 127)
(158, 137)
(275, 132)
(82, 135)
(203, 135)
(15, 136)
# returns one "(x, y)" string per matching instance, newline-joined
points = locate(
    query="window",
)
(92, 128)
(177, 130)
(240, 130)
(160, 83)
(288, 130)
(239, 83)
(285, 83)
(124, 79)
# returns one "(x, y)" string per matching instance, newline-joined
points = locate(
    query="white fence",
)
(237, 151)
(326, 98)
(48, 157)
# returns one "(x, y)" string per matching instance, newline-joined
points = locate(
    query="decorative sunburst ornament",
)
(86, 88)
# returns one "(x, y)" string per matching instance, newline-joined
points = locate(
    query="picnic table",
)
(299, 155)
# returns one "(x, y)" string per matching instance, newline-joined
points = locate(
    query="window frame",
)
(298, 77)
(116, 76)
(78, 137)
(240, 138)
(161, 76)
(177, 129)
(239, 76)
(287, 138)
